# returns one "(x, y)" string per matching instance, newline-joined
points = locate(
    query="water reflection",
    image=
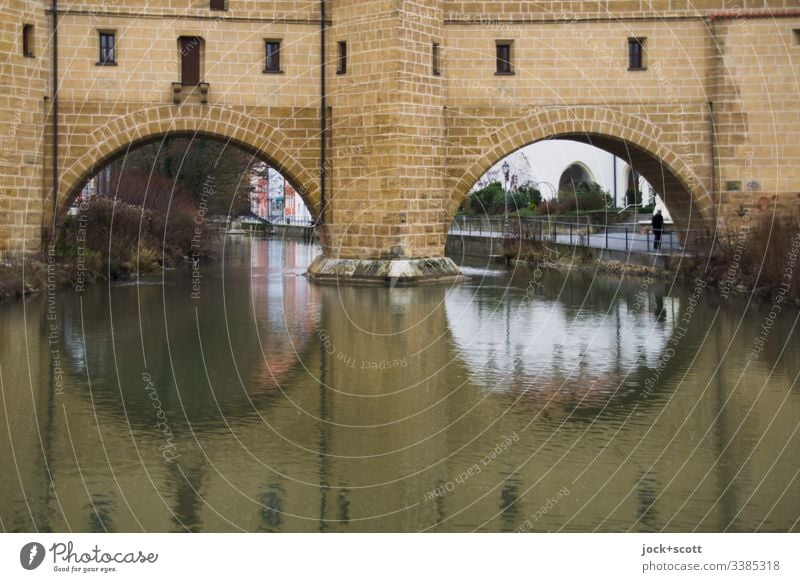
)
(554, 347)
(531, 400)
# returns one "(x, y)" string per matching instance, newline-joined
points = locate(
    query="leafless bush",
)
(147, 225)
(762, 256)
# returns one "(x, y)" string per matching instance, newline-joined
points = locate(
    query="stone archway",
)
(574, 175)
(128, 131)
(633, 138)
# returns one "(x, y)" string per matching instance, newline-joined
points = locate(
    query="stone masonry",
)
(711, 120)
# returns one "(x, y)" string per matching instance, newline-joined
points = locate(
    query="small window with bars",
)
(503, 64)
(636, 54)
(108, 48)
(341, 65)
(273, 55)
(27, 40)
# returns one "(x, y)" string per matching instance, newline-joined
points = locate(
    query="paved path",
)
(616, 241)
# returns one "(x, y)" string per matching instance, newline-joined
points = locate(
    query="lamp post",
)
(506, 169)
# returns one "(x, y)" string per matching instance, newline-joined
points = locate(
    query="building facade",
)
(386, 130)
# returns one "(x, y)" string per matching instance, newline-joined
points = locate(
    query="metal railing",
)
(582, 233)
(289, 221)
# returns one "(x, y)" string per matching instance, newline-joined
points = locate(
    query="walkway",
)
(629, 238)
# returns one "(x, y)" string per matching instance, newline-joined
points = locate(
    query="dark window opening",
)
(217, 5)
(796, 33)
(341, 68)
(636, 54)
(504, 58)
(273, 64)
(436, 59)
(27, 40)
(108, 49)
(191, 47)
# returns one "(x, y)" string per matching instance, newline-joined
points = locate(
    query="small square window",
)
(273, 64)
(796, 36)
(436, 59)
(504, 58)
(27, 40)
(341, 67)
(217, 5)
(108, 48)
(636, 54)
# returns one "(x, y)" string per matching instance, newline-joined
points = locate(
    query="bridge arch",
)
(574, 175)
(110, 141)
(633, 138)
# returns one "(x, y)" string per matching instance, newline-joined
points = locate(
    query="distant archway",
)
(573, 176)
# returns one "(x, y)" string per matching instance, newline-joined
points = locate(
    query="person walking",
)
(658, 228)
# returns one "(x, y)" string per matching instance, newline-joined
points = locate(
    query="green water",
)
(521, 400)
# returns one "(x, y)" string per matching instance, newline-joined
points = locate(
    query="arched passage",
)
(127, 132)
(573, 176)
(632, 138)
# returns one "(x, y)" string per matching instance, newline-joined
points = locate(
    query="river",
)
(519, 400)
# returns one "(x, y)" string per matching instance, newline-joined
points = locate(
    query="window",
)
(273, 56)
(436, 63)
(341, 68)
(636, 54)
(191, 51)
(27, 40)
(108, 49)
(796, 33)
(217, 5)
(504, 58)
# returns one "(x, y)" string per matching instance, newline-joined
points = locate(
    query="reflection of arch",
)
(574, 175)
(627, 136)
(147, 125)
(273, 335)
(567, 352)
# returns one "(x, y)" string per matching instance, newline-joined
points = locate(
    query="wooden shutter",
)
(190, 60)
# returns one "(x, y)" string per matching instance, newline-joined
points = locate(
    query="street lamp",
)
(506, 169)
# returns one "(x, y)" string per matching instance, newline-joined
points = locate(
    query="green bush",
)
(529, 190)
(488, 200)
(585, 198)
(491, 199)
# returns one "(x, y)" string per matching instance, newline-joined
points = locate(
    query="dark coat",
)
(658, 222)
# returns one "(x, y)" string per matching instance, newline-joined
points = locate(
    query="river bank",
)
(716, 272)
(736, 267)
(36, 275)
(111, 240)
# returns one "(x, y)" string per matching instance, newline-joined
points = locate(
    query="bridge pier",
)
(391, 272)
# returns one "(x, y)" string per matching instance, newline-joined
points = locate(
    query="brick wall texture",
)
(712, 121)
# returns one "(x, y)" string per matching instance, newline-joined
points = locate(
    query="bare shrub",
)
(761, 256)
(149, 224)
(766, 256)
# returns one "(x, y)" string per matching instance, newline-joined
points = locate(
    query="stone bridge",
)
(415, 101)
